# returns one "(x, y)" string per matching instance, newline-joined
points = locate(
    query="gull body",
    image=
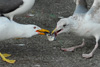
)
(85, 28)
(10, 8)
(83, 24)
(11, 29)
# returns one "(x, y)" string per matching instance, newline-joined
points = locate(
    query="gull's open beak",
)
(43, 31)
(54, 31)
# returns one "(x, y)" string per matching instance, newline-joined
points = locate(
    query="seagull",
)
(10, 8)
(86, 24)
(11, 29)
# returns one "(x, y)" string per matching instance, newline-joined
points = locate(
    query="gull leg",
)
(6, 55)
(73, 48)
(7, 60)
(91, 53)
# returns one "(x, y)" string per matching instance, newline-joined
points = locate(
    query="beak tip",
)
(53, 31)
(43, 31)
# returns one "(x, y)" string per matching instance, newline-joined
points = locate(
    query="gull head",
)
(63, 25)
(31, 30)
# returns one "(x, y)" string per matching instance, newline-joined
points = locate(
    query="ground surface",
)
(38, 51)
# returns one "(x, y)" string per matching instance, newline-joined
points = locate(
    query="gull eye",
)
(34, 27)
(64, 25)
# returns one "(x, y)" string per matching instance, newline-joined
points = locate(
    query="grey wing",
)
(94, 12)
(81, 7)
(7, 6)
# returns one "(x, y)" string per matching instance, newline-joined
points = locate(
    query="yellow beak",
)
(54, 31)
(42, 31)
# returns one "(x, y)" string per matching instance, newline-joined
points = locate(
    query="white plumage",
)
(83, 24)
(11, 29)
(15, 7)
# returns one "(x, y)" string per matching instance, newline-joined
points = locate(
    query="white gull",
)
(83, 23)
(11, 29)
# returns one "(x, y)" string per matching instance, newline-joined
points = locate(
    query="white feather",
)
(11, 29)
(87, 25)
(22, 9)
